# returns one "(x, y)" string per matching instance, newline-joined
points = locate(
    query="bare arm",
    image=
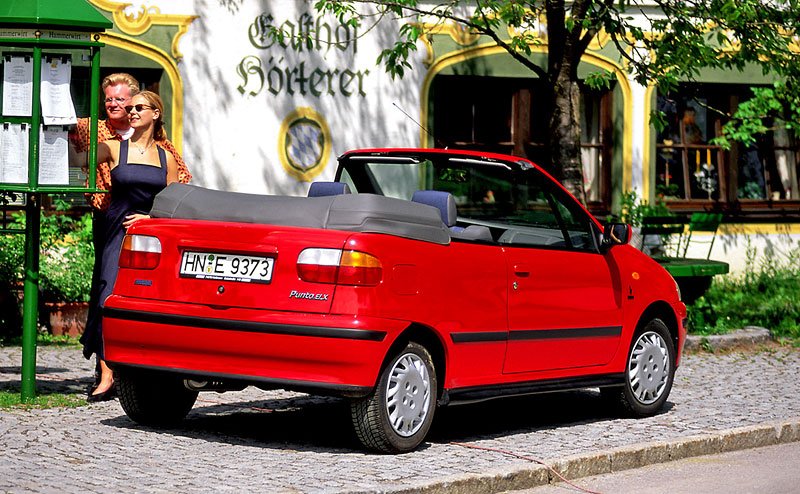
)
(107, 152)
(172, 169)
(184, 176)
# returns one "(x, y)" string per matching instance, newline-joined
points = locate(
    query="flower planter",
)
(67, 318)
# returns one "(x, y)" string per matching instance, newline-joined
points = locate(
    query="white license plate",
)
(226, 267)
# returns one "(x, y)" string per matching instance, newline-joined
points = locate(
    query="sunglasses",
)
(138, 108)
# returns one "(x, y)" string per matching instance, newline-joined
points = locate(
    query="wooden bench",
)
(692, 275)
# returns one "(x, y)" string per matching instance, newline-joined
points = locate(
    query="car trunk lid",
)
(226, 265)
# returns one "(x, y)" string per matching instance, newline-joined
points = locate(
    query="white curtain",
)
(590, 157)
(786, 163)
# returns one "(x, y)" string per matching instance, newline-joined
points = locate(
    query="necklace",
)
(143, 150)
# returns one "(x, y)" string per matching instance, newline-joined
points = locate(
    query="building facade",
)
(255, 114)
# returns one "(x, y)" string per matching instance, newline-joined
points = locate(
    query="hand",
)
(132, 218)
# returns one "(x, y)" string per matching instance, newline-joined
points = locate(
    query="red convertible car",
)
(420, 278)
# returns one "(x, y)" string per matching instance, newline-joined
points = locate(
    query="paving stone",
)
(281, 441)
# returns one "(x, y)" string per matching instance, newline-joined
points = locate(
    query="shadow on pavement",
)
(297, 424)
(523, 414)
(39, 370)
(43, 384)
(310, 423)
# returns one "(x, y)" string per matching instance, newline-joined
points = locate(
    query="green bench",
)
(674, 238)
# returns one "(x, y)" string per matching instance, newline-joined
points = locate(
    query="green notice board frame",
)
(41, 29)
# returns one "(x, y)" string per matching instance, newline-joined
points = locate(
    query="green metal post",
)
(94, 111)
(30, 311)
(35, 15)
(33, 212)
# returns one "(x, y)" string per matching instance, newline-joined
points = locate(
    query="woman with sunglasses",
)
(140, 169)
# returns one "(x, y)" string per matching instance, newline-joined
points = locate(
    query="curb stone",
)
(617, 459)
(747, 337)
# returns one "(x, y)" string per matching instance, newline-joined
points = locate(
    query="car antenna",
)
(438, 143)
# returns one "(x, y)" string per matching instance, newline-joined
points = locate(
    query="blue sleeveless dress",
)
(133, 188)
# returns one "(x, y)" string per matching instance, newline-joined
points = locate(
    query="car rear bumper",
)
(334, 353)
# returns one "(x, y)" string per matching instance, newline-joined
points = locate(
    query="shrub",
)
(766, 294)
(12, 248)
(66, 259)
(632, 209)
(66, 262)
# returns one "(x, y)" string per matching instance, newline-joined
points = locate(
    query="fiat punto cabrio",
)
(419, 278)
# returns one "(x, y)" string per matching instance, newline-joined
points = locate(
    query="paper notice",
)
(53, 156)
(17, 85)
(14, 153)
(57, 106)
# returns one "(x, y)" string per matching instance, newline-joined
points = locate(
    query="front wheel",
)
(396, 417)
(649, 372)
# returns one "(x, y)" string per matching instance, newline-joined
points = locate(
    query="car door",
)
(564, 302)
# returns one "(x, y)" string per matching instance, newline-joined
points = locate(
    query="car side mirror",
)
(616, 234)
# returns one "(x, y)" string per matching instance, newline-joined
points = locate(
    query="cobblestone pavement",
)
(256, 441)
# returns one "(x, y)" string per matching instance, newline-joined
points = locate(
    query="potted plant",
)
(66, 259)
(65, 271)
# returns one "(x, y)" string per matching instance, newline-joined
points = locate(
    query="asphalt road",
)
(256, 441)
(767, 470)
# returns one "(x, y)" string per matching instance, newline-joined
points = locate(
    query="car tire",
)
(649, 372)
(396, 417)
(153, 398)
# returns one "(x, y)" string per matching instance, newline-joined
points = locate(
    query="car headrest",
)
(320, 189)
(443, 201)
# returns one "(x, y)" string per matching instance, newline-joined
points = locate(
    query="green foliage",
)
(768, 109)
(731, 36)
(12, 258)
(491, 18)
(43, 338)
(396, 58)
(66, 259)
(766, 294)
(633, 210)
(599, 80)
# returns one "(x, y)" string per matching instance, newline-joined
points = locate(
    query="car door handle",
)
(521, 271)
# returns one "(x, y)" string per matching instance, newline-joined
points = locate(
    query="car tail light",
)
(140, 252)
(342, 267)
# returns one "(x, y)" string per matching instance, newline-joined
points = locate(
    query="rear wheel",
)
(649, 372)
(154, 398)
(396, 417)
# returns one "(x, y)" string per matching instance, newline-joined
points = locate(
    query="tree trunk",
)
(565, 134)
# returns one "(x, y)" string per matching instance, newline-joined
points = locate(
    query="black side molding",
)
(245, 326)
(556, 334)
(535, 334)
(462, 396)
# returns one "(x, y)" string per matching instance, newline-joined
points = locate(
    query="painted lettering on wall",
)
(271, 73)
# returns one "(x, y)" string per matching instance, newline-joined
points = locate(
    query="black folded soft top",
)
(349, 212)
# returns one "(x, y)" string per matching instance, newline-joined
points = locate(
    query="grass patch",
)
(12, 399)
(766, 294)
(43, 338)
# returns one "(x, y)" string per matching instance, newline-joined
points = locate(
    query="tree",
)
(675, 41)
(689, 36)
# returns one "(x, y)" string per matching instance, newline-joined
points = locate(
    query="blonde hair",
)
(121, 78)
(155, 101)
